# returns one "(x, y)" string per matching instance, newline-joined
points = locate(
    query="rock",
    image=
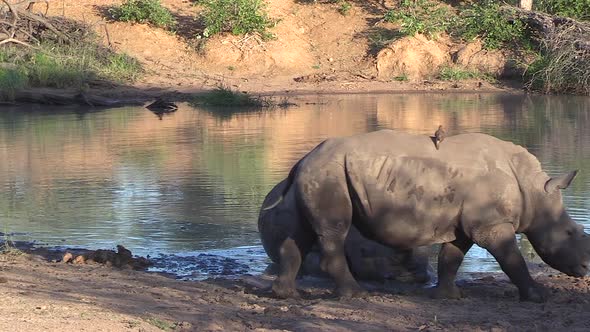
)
(180, 326)
(3, 280)
(67, 257)
(79, 260)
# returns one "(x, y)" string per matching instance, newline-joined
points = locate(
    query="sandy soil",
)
(38, 295)
(316, 50)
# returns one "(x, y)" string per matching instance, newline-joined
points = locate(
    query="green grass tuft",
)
(11, 80)
(63, 66)
(460, 74)
(225, 97)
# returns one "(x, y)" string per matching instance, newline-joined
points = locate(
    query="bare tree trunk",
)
(526, 4)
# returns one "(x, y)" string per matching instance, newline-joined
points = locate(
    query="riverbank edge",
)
(138, 95)
(40, 295)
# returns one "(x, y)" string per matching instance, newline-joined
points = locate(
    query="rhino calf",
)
(367, 260)
(398, 190)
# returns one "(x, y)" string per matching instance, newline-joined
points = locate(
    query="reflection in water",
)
(194, 181)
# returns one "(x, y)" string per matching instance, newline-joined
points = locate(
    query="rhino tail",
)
(290, 179)
(273, 205)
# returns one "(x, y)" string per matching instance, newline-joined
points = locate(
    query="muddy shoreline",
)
(138, 95)
(41, 295)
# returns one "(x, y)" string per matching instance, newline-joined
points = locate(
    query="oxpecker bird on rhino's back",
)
(439, 136)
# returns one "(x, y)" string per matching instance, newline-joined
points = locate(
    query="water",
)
(191, 184)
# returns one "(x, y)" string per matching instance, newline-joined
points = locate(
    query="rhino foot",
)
(535, 293)
(283, 291)
(352, 292)
(446, 292)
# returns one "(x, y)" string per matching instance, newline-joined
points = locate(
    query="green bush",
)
(236, 16)
(421, 16)
(223, 96)
(484, 20)
(578, 9)
(11, 80)
(144, 11)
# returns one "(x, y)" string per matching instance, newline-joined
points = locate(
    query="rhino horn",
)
(560, 182)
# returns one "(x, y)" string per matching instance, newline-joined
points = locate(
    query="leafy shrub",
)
(144, 11)
(484, 20)
(578, 9)
(236, 16)
(421, 16)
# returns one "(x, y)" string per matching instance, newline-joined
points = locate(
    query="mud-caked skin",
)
(398, 190)
(280, 224)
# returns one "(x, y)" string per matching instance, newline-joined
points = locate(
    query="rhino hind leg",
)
(291, 254)
(450, 258)
(330, 214)
(335, 263)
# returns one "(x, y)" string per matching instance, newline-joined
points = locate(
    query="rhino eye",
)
(570, 232)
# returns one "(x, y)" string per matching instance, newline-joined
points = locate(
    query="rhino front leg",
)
(500, 241)
(450, 258)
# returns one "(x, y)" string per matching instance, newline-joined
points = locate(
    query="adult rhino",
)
(399, 190)
(367, 260)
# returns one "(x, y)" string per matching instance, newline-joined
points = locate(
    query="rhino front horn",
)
(560, 182)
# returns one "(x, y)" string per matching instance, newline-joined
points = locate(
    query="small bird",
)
(439, 136)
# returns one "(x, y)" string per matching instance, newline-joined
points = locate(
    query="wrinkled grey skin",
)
(400, 191)
(367, 260)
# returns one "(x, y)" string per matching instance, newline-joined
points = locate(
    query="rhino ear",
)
(560, 182)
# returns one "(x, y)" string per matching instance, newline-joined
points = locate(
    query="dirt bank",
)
(316, 49)
(42, 296)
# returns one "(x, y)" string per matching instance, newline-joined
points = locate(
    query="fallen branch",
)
(16, 41)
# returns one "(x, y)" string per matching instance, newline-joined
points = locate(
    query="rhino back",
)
(407, 193)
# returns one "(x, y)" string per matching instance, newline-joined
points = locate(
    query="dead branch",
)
(40, 19)
(20, 25)
(544, 26)
(16, 41)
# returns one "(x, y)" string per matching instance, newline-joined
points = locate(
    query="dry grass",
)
(564, 64)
